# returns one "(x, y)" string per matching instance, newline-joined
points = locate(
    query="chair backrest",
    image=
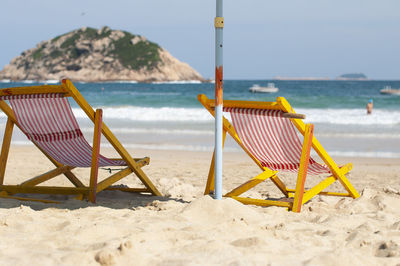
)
(48, 121)
(271, 138)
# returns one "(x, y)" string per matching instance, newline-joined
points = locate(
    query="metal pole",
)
(219, 26)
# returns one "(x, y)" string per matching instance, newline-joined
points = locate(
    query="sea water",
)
(168, 116)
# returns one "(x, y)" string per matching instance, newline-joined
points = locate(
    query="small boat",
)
(269, 89)
(389, 90)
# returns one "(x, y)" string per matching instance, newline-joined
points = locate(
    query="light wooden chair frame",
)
(297, 196)
(83, 192)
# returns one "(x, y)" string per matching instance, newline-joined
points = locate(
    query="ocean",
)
(168, 116)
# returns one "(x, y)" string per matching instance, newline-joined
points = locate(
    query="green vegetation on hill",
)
(38, 54)
(134, 55)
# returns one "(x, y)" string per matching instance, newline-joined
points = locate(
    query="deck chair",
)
(266, 131)
(44, 115)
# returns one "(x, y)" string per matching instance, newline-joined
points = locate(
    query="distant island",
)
(352, 76)
(95, 55)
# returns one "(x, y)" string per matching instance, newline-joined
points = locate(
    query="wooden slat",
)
(340, 194)
(279, 183)
(112, 179)
(30, 199)
(128, 189)
(260, 202)
(295, 116)
(111, 138)
(242, 104)
(140, 161)
(249, 184)
(13, 189)
(318, 188)
(42, 89)
(46, 176)
(252, 105)
(95, 155)
(73, 179)
(5, 148)
(304, 162)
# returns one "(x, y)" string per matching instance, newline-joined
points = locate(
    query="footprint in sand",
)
(105, 258)
(246, 242)
(108, 257)
(395, 226)
(388, 249)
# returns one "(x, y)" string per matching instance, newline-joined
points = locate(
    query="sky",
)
(262, 38)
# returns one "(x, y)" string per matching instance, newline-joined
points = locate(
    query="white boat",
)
(269, 89)
(389, 90)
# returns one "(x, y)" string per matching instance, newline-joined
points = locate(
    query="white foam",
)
(156, 131)
(351, 116)
(52, 81)
(365, 154)
(151, 114)
(158, 94)
(122, 81)
(174, 147)
(178, 82)
(201, 148)
(5, 80)
(325, 116)
(22, 142)
(361, 135)
(328, 116)
(28, 81)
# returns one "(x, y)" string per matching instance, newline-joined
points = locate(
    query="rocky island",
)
(95, 55)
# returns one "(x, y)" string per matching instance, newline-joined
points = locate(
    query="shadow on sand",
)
(107, 199)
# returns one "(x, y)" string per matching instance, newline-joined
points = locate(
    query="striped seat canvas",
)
(272, 139)
(48, 121)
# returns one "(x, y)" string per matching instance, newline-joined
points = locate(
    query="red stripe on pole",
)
(219, 85)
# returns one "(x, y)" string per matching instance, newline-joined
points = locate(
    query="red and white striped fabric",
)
(48, 121)
(272, 139)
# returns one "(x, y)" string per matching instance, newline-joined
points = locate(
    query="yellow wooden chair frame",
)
(297, 196)
(94, 187)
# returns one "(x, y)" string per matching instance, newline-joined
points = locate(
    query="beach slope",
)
(187, 228)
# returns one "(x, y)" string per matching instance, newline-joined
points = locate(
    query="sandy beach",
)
(187, 228)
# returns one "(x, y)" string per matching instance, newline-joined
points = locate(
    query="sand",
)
(187, 228)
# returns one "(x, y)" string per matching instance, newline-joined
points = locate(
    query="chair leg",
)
(211, 173)
(211, 177)
(95, 155)
(250, 184)
(304, 161)
(5, 149)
